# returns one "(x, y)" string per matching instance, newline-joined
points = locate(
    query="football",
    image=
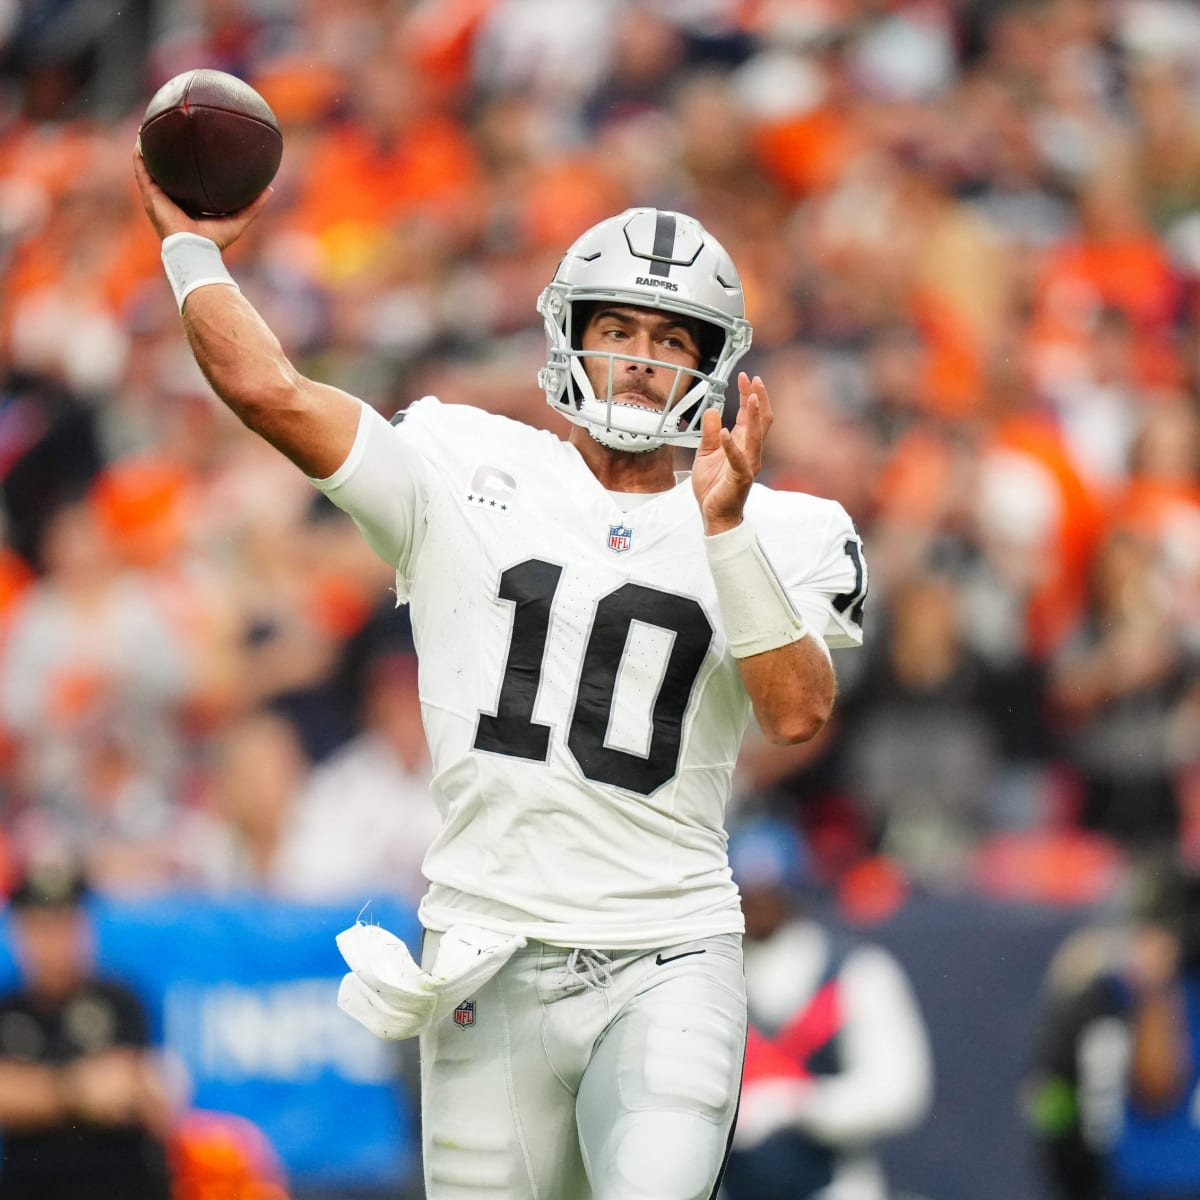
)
(210, 141)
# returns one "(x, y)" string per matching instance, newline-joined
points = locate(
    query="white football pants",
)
(577, 1077)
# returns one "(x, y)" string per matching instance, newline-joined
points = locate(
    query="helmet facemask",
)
(630, 260)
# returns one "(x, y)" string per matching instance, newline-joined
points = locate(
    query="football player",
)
(594, 632)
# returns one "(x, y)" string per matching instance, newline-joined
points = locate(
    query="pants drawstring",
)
(592, 968)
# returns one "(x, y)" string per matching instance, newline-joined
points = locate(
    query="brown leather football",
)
(210, 141)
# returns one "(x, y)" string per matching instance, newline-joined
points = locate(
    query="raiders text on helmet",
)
(654, 259)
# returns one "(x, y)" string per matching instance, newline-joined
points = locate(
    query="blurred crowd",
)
(969, 233)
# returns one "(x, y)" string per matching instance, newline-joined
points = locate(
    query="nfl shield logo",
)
(464, 1014)
(620, 537)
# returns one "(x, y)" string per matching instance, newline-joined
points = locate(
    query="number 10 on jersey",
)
(530, 587)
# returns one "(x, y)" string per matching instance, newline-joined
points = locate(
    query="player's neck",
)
(620, 471)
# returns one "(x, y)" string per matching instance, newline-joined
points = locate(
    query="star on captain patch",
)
(492, 488)
(620, 538)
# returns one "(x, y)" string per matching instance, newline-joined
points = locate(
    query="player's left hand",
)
(728, 461)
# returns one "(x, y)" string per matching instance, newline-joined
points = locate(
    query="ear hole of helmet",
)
(579, 315)
(712, 342)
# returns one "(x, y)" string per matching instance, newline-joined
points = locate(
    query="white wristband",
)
(757, 613)
(192, 261)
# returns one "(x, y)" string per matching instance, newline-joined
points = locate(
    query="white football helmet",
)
(654, 259)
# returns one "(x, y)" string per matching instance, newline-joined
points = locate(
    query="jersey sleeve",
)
(820, 561)
(384, 485)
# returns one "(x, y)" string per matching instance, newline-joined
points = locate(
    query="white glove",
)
(467, 958)
(391, 996)
(385, 990)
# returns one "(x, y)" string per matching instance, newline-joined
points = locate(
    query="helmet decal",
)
(664, 242)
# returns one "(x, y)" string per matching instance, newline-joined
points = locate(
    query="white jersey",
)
(582, 709)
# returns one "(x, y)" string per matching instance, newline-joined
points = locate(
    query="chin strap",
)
(631, 443)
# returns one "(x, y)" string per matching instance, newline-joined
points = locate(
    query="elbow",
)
(896, 1116)
(919, 1100)
(792, 692)
(796, 724)
(911, 1106)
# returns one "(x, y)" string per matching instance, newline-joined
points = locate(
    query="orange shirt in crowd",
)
(807, 152)
(432, 168)
(1131, 274)
(1056, 601)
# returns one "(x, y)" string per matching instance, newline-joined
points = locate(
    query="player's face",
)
(640, 333)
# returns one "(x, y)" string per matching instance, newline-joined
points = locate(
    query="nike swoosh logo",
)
(662, 962)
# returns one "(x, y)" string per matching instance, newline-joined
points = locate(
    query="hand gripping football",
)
(210, 141)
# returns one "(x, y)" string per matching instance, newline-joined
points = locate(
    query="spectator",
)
(77, 55)
(231, 842)
(838, 1057)
(366, 816)
(1161, 498)
(920, 735)
(1157, 1152)
(1118, 685)
(1111, 1096)
(83, 1105)
(398, 158)
(90, 649)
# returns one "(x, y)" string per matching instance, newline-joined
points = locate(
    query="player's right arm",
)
(310, 422)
